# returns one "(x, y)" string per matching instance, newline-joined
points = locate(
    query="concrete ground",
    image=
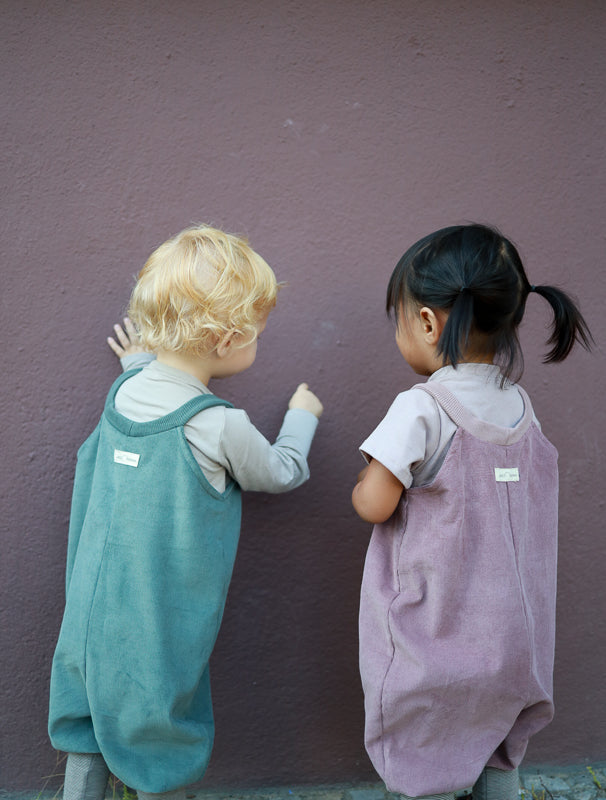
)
(556, 783)
(563, 783)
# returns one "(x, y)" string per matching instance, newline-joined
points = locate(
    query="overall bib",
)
(150, 556)
(457, 611)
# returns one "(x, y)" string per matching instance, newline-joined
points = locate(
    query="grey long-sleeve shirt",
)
(223, 440)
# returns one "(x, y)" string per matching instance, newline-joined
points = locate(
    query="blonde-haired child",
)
(155, 520)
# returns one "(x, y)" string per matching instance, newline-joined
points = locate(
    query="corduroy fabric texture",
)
(457, 613)
(150, 557)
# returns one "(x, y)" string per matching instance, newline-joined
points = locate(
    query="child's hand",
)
(306, 400)
(128, 340)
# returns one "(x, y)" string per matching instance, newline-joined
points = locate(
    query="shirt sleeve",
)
(136, 360)
(260, 466)
(407, 436)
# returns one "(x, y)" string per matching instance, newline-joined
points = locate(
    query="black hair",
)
(475, 274)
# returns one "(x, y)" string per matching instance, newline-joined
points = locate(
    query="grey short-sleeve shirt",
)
(413, 437)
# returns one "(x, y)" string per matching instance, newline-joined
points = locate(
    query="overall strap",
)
(176, 419)
(485, 431)
(111, 395)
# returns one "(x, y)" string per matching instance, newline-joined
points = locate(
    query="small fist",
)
(128, 340)
(306, 400)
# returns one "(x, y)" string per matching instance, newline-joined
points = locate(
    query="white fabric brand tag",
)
(503, 474)
(124, 457)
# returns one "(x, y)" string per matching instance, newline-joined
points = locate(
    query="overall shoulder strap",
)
(463, 418)
(197, 404)
(111, 395)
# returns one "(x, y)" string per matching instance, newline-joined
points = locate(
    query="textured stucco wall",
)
(334, 133)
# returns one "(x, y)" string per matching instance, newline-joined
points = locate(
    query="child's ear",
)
(225, 345)
(432, 323)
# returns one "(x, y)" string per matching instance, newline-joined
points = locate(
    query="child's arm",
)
(406, 438)
(255, 463)
(377, 493)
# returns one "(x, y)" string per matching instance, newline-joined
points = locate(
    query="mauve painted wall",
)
(334, 133)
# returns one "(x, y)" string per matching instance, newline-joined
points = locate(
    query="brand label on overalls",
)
(504, 474)
(124, 457)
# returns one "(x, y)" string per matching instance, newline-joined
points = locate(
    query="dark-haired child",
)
(457, 612)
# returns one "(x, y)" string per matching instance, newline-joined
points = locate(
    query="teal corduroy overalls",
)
(150, 557)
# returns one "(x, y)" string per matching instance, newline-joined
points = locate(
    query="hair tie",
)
(463, 289)
(532, 288)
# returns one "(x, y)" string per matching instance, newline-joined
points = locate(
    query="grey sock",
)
(86, 776)
(497, 784)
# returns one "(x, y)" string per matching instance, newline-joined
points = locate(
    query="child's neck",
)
(470, 358)
(198, 366)
(480, 358)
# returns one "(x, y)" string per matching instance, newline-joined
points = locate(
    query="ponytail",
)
(455, 336)
(568, 326)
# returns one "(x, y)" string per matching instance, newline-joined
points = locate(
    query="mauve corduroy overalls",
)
(457, 612)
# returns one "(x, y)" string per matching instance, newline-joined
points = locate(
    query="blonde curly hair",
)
(198, 286)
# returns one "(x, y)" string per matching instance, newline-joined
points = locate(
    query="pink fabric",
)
(457, 613)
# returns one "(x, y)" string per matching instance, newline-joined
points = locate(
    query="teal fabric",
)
(150, 556)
